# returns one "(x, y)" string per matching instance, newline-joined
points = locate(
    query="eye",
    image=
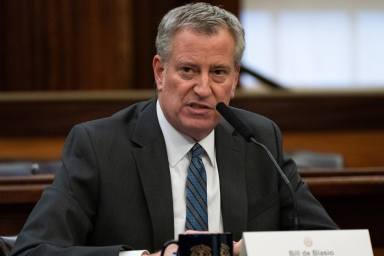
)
(220, 72)
(186, 69)
(186, 72)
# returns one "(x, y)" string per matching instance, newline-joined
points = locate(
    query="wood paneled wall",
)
(65, 44)
(80, 44)
(347, 123)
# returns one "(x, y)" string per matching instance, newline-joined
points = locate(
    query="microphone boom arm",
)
(245, 132)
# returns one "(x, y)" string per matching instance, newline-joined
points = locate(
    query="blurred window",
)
(315, 44)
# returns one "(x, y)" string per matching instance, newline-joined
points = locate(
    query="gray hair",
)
(203, 18)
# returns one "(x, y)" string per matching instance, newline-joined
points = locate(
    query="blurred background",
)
(108, 45)
(315, 67)
(317, 43)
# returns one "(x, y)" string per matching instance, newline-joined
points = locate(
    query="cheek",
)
(223, 93)
(178, 88)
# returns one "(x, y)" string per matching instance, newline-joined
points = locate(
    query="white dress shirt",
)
(178, 146)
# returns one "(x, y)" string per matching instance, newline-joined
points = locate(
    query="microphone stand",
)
(246, 133)
(285, 179)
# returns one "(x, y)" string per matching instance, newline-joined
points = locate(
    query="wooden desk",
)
(353, 198)
(18, 195)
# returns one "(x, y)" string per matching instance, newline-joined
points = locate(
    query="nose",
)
(203, 86)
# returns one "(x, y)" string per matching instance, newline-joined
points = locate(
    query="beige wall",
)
(313, 4)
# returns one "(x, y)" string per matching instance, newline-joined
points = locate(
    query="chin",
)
(199, 130)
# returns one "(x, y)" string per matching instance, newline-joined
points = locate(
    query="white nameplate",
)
(307, 243)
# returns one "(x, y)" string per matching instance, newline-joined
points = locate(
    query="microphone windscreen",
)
(231, 118)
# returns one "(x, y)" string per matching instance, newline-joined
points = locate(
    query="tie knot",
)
(197, 150)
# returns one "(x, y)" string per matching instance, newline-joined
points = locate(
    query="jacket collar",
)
(230, 161)
(152, 162)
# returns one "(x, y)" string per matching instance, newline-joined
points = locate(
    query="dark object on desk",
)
(23, 168)
(6, 244)
(215, 244)
(310, 159)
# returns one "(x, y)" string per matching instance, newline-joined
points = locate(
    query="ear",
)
(235, 81)
(158, 71)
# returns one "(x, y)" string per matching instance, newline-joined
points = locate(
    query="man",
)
(125, 180)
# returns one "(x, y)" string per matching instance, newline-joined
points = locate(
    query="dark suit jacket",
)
(114, 189)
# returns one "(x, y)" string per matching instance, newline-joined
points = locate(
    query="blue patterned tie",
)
(196, 192)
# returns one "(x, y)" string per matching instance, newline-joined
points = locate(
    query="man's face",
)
(199, 73)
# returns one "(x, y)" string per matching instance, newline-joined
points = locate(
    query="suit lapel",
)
(152, 163)
(230, 160)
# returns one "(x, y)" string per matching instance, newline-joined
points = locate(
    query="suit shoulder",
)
(123, 119)
(253, 119)
(263, 128)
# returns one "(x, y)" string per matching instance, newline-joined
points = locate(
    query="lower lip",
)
(199, 111)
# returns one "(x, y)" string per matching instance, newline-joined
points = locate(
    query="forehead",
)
(190, 43)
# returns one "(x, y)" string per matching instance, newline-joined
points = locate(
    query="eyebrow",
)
(194, 65)
(187, 63)
(222, 66)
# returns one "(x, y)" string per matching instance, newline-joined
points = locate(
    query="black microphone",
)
(245, 132)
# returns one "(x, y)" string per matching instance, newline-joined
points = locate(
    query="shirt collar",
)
(178, 144)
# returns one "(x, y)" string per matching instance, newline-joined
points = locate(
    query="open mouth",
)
(199, 106)
(199, 109)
